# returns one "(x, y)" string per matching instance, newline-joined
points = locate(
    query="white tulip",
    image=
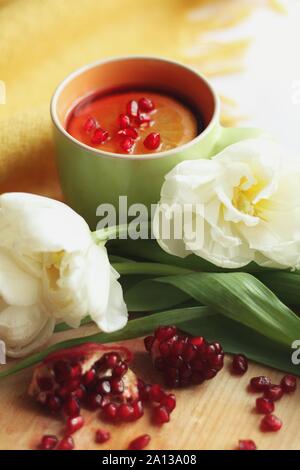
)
(249, 199)
(51, 270)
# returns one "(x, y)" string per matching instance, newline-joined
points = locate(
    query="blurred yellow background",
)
(42, 41)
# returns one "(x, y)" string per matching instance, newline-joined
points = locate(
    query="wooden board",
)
(214, 415)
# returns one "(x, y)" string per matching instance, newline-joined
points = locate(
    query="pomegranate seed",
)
(260, 384)
(143, 119)
(62, 371)
(74, 424)
(90, 124)
(247, 444)
(138, 410)
(89, 377)
(69, 388)
(75, 371)
(264, 406)
(132, 108)
(66, 443)
(183, 360)
(274, 392)
(110, 411)
(48, 442)
(197, 341)
(94, 400)
(145, 104)
(271, 423)
(152, 141)
(99, 136)
(239, 364)
(45, 383)
(117, 386)
(125, 412)
(80, 392)
(161, 415)
(103, 387)
(156, 393)
(124, 121)
(145, 393)
(54, 404)
(169, 401)
(102, 436)
(288, 383)
(165, 332)
(127, 144)
(120, 369)
(140, 442)
(71, 407)
(129, 132)
(111, 360)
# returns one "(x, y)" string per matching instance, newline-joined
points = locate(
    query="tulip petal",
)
(24, 329)
(38, 224)
(17, 287)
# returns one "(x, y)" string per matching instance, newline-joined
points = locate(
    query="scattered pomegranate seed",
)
(239, 364)
(90, 124)
(99, 137)
(140, 442)
(71, 407)
(66, 443)
(127, 144)
(74, 424)
(264, 406)
(169, 401)
(152, 141)
(48, 442)
(271, 423)
(288, 383)
(183, 360)
(132, 108)
(146, 104)
(260, 384)
(247, 444)
(129, 132)
(102, 436)
(274, 392)
(161, 415)
(124, 121)
(156, 393)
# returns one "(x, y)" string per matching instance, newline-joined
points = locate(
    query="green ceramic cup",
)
(90, 177)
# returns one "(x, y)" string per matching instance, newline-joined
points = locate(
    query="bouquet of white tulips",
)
(237, 284)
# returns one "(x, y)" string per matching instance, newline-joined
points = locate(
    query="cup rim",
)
(150, 156)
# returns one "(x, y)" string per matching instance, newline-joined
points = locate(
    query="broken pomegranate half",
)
(182, 359)
(87, 375)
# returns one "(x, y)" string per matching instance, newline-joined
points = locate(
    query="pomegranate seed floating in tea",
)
(133, 123)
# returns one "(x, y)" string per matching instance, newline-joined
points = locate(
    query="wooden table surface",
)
(214, 415)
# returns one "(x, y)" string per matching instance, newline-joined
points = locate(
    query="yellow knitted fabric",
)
(41, 41)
